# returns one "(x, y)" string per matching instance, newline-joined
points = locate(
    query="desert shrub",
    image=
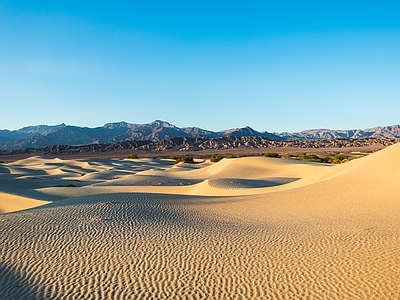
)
(132, 156)
(216, 158)
(230, 156)
(312, 157)
(338, 159)
(326, 160)
(272, 154)
(185, 159)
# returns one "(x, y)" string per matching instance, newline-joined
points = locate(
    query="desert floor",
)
(245, 228)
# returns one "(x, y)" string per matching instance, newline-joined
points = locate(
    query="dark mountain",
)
(248, 131)
(154, 131)
(42, 135)
(111, 133)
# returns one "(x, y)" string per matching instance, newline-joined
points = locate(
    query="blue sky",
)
(272, 65)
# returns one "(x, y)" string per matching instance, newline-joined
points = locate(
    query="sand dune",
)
(10, 203)
(248, 228)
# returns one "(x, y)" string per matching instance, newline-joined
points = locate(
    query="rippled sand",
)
(248, 228)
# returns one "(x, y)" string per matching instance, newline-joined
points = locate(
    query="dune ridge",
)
(248, 228)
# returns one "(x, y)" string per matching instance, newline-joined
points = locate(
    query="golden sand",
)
(247, 228)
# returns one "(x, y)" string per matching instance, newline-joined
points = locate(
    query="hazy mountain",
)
(8, 135)
(325, 134)
(318, 134)
(383, 131)
(43, 135)
(40, 129)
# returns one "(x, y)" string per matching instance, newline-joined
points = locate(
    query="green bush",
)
(230, 156)
(216, 158)
(185, 159)
(132, 156)
(272, 154)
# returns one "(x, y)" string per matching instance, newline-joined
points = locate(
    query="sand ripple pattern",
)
(143, 246)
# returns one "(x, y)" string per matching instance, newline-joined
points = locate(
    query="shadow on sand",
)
(15, 286)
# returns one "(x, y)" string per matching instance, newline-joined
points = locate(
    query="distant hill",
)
(111, 133)
(323, 134)
(188, 144)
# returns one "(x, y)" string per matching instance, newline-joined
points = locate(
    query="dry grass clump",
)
(216, 158)
(184, 159)
(335, 159)
(272, 154)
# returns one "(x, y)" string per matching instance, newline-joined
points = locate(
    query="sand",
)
(246, 228)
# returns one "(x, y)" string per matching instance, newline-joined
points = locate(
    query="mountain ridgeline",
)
(111, 133)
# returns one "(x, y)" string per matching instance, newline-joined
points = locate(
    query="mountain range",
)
(44, 135)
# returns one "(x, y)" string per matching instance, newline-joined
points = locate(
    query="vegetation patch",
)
(132, 156)
(216, 158)
(272, 154)
(335, 159)
(340, 158)
(185, 159)
(313, 158)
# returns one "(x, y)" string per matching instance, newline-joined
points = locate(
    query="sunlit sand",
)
(244, 228)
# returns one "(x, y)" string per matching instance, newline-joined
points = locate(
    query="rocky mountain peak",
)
(158, 130)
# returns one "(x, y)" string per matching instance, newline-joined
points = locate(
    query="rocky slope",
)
(197, 144)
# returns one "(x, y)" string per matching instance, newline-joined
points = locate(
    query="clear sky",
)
(272, 65)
